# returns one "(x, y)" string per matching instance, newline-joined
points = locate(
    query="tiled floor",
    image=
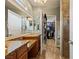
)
(50, 52)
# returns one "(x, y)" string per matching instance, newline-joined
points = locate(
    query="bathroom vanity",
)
(22, 47)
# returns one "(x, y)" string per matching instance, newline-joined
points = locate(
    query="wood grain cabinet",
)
(19, 53)
(34, 50)
(11, 55)
(34, 38)
(39, 43)
(23, 56)
(22, 52)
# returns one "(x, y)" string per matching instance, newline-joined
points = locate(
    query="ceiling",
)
(49, 7)
(50, 4)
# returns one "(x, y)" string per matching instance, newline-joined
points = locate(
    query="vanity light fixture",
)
(30, 19)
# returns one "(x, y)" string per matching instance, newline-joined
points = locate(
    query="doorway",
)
(51, 19)
(50, 30)
(51, 47)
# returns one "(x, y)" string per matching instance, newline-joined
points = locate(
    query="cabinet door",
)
(24, 56)
(11, 56)
(21, 50)
(34, 50)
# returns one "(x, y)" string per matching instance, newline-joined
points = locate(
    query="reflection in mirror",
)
(14, 23)
(36, 25)
(17, 24)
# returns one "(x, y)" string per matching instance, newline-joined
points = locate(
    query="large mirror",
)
(18, 24)
(37, 24)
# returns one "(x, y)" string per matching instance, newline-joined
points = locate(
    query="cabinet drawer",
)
(21, 50)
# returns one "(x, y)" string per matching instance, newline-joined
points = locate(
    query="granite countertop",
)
(14, 44)
(23, 35)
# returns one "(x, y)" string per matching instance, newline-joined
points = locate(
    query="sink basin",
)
(28, 44)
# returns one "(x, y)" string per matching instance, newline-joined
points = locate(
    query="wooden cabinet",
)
(39, 45)
(20, 53)
(11, 55)
(24, 52)
(23, 56)
(35, 46)
(34, 50)
(33, 38)
(21, 50)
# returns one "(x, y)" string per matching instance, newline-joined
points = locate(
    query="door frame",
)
(61, 28)
(71, 29)
(55, 27)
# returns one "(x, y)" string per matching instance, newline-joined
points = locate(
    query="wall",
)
(51, 18)
(6, 22)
